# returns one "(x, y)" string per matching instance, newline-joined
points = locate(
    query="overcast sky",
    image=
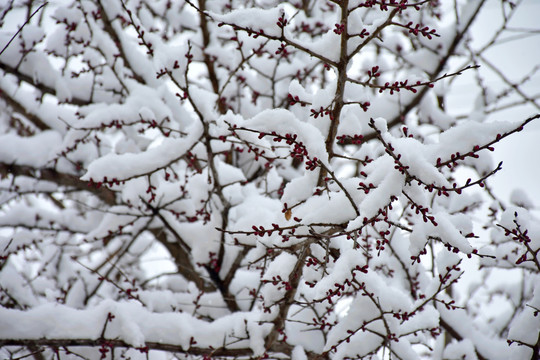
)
(521, 152)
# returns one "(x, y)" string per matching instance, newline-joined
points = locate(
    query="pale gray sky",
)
(521, 152)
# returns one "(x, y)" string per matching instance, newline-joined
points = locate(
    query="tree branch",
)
(40, 86)
(62, 179)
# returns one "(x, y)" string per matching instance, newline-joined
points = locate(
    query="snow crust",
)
(120, 166)
(35, 151)
(252, 18)
(132, 323)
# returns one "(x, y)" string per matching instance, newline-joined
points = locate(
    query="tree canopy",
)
(261, 179)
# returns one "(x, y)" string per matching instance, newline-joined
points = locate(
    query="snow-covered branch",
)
(260, 179)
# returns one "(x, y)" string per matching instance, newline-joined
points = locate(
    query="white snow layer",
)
(132, 323)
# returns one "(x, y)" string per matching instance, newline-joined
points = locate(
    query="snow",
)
(525, 327)
(460, 350)
(20, 239)
(474, 132)
(36, 151)
(450, 234)
(296, 89)
(255, 210)
(350, 122)
(391, 184)
(430, 111)
(520, 198)
(334, 208)
(488, 347)
(414, 155)
(298, 353)
(14, 284)
(254, 19)
(446, 231)
(300, 188)
(132, 323)
(445, 261)
(68, 258)
(328, 44)
(119, 166)
(228, 174)
(280, 268)
(284, 122)
(164, 301)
